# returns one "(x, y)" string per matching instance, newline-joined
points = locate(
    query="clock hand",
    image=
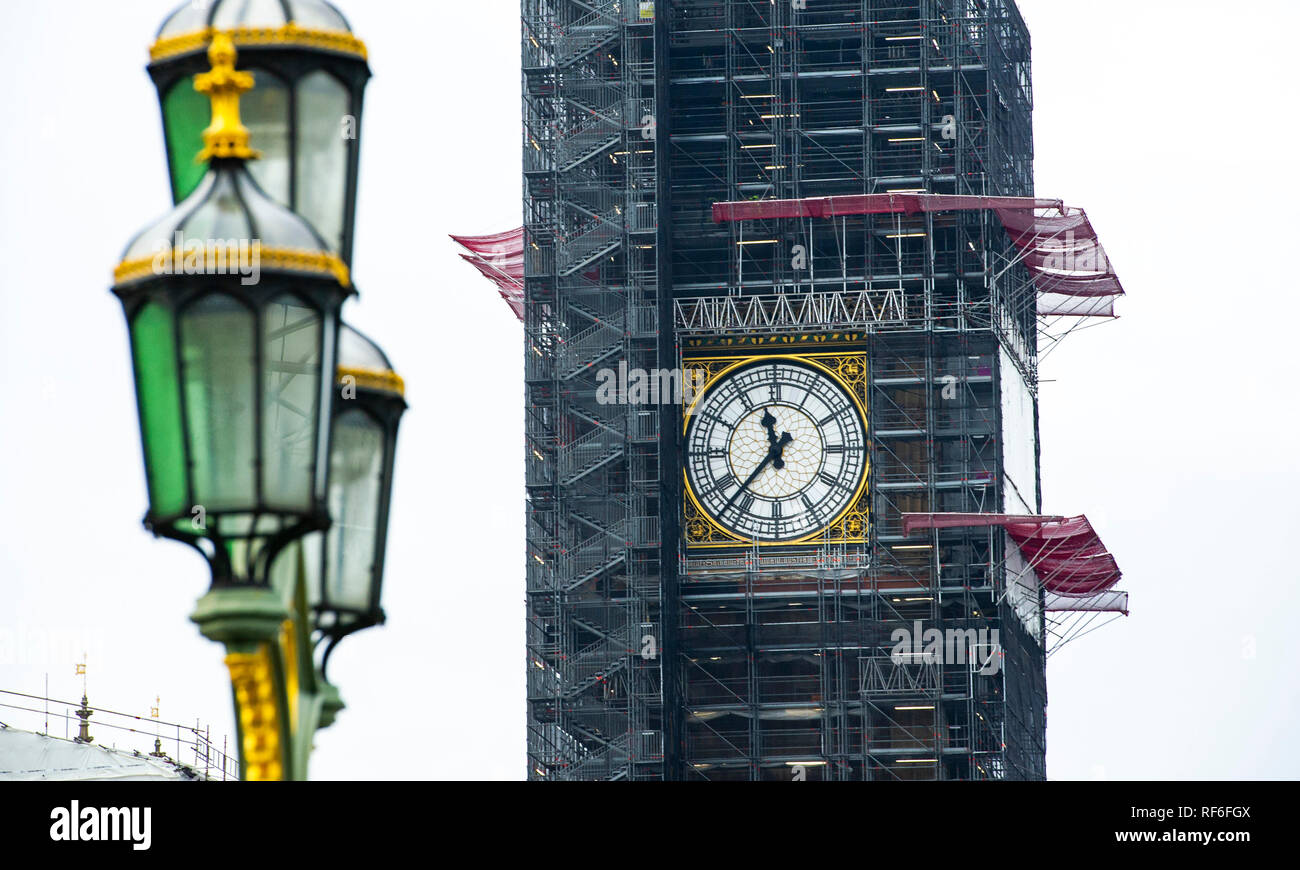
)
(779, 449)
(773, 456)
(744, 486)
(776, 448)
(769, 423)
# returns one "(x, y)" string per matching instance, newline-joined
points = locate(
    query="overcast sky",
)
(1172, 428)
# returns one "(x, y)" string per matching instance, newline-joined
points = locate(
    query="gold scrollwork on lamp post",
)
(260, 728)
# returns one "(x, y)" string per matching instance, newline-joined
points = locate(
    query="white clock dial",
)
(775, 451)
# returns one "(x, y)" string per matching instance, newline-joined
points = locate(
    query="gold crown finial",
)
(226, 136)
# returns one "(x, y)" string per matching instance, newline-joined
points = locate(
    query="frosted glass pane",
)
(217, 373)
(358, 352)
(277, 226)
(317, 14)
(291, 396)
(250, 13)
(323, 103)
(219, 218)
(187, 19)
(356, 468)
(265, 112)
(311, 552)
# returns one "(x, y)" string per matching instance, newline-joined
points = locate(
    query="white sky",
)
(1172, 428)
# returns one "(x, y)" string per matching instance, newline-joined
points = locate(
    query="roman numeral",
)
(742, 396)
(744, 503)
(811, 509)
(840, 413)
(722, 484)
(832, 482)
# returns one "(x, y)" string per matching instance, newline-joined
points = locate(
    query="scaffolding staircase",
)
(589, 304)
(576, 41)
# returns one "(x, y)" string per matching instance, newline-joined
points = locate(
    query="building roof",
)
(25, 755)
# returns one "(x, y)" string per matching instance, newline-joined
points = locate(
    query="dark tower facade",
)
(719, 583)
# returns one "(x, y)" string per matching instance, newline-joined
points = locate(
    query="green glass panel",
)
(217, 350)
(154, 350)
(186, 114)
(291, 424)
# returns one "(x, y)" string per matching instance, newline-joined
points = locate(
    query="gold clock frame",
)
(852, 525)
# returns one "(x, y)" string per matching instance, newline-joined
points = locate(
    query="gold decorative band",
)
(289, 34)
(306, 261)
(231, 257)
(259, 715)
(374, 379)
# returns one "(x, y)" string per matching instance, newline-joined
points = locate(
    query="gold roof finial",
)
(226, 136)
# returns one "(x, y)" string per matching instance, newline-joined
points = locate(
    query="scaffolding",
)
(591, 300)
(650, 657)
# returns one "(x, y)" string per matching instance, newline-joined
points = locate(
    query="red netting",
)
(871, 203)
(1057, 244)
(500, 257)
(1065, 552)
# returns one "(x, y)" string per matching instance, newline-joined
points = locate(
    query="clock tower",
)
(814, 214)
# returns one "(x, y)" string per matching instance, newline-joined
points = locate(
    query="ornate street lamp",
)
(305, 114)
(345, 566)
(232, 303)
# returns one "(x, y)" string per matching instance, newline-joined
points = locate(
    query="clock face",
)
(775, 451)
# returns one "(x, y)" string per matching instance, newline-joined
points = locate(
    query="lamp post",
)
(305, 114)
(233, 308)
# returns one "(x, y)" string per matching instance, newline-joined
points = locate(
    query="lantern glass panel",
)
(311, 557)
(288, 566)
(218, 218)
(357, 352)
(217, 345)
(356, 482)
(154, 348)
(291, 396)
(265, 112)
(320, 16)
(186, 114)
(187, 19)
(322, 168)
(229, 15)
